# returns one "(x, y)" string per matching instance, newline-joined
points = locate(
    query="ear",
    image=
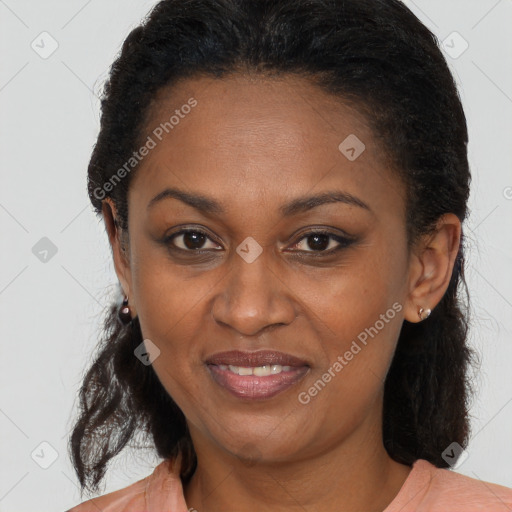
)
(119, 249)
(431, 266)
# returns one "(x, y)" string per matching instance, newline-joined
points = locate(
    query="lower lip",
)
(252, 387)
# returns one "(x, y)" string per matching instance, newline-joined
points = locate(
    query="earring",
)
(424, 313)
(124, 314)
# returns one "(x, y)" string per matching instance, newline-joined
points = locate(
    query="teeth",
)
(242, 370)
(261, 371)
(258, 371)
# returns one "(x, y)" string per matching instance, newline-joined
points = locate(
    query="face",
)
(309, 291)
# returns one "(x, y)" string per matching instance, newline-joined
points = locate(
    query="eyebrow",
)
(299, 205)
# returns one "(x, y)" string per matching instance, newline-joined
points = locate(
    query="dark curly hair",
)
(374, 54)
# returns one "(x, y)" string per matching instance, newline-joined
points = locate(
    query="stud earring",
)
(424, 313)
(124, 314)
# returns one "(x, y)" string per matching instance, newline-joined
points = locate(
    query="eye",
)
(323, 242)
(191, 240)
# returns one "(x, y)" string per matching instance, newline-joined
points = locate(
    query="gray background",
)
(50, 310)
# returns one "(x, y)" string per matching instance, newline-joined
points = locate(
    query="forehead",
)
(249, 139)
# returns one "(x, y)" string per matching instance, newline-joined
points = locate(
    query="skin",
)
(253, 144)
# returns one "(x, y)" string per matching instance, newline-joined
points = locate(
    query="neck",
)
(355, 475)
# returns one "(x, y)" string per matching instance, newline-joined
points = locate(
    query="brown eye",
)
(191, 240)
(322, 242)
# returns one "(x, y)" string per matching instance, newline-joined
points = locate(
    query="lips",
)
(256, 375)
(252, 359)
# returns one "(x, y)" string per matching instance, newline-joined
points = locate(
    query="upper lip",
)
(259, 358)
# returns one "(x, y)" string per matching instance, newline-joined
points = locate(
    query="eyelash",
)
(343, 242)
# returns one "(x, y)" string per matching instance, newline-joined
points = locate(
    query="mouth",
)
(256, 375)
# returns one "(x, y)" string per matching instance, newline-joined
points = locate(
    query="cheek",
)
(346, 301)
(168, 297)
(164, 308)
(168, 314)
(356, 314)
(357, 320)
(172, 306)
(167, 317)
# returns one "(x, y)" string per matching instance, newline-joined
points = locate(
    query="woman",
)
(283, 185)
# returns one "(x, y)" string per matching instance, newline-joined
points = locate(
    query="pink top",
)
(426, 489)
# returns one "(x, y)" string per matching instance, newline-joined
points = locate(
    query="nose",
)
(253, 298)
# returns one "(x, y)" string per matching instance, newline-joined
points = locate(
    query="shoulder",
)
(443, 490)
(129, 498)
(134, 498)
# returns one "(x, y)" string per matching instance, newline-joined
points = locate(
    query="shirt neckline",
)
(166, 477)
